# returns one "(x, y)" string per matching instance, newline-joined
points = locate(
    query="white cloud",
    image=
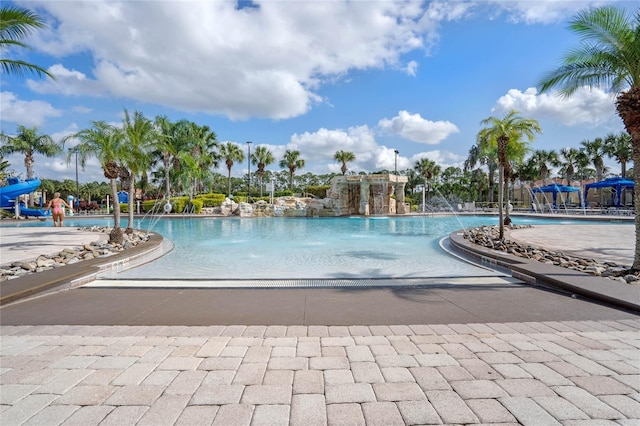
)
(264, 61)
(319, 148)
(443, 158)
(542, 11)
(67, 82)
(417, 129)
(586, 106)
(412, 68)
(25, 113)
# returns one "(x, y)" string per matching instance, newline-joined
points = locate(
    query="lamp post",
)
(248, 170)
(395, 170)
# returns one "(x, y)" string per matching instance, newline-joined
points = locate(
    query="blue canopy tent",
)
(555, 189)
(616, 183)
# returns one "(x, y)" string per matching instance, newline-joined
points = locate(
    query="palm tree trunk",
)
(116, 233)
(132, 192)
(500, 199)
(635, 154)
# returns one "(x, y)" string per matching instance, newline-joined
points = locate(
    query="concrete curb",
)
(73, 276)
(533, 272)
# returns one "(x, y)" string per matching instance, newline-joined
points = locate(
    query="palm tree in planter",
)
(139, 134)
(501, 131)
(609, 57)
(105, 142)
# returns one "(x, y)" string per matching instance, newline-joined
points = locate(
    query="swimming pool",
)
(307, 248)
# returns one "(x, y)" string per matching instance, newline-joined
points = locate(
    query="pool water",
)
(306, 248)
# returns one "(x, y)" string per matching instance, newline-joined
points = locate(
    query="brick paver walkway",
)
(555, 373)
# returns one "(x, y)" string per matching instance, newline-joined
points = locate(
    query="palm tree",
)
(344, 157)
(619, 147)
(105, 142)
(429, 169)
(262, 157)
(4, 165)
(139, 134)
(231, 153)
(479, 154)
(511, 127)
(570, 161)
(16, 24)
(543, 160)
(291, 160)
(171, 140)
(203, 156)
(595, 152)
(29, 142)
(609, 57)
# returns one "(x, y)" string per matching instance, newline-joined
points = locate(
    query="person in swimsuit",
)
(58, 209)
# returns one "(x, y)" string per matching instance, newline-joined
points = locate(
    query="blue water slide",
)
(16, 188)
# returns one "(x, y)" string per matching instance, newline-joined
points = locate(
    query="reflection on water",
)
(234, 248)
(308, 248)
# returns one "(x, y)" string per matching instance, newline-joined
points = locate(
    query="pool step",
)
(306, 283)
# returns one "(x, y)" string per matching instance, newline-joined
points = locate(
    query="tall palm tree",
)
(428, 169)
(262, 157)
(344, 157)
(203, 145)
(15, 24)
(619, 147)
(570, 161)
(171, 140)
(595, 152)
(105, 142)
(543, 160)
(479, 154)
(29, 142)
(608, 56)
(231, 153)
(139, 134)
(502, 130)
(291, 160)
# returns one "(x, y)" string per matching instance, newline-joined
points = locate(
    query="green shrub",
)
(195, 206)
(211, 200)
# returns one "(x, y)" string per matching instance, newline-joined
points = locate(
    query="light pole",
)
(248, 170)
(395, 170)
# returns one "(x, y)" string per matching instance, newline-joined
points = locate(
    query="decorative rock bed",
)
(69, 256)
(488, 236)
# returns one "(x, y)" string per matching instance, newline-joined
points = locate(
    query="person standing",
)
(58, 209)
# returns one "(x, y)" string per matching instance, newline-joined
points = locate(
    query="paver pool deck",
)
(489, 350)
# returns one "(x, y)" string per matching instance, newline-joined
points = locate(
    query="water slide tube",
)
(16, 188)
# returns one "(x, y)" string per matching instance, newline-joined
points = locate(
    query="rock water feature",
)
(69, 256)
(488, 236)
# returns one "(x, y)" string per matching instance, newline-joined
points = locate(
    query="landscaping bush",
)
(211, 200)
(319, 191)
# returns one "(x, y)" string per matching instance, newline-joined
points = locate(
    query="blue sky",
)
(317, 76)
